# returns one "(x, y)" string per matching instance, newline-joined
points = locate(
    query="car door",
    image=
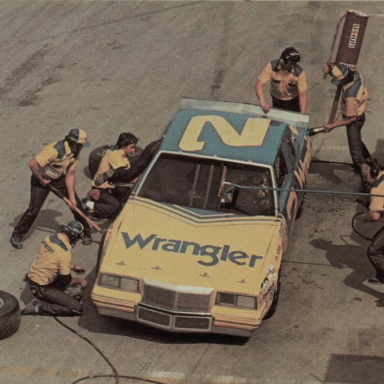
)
(289, 199)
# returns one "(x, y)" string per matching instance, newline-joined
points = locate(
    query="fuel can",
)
(351, 38)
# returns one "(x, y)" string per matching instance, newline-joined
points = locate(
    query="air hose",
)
(354, 228)
(115, 373)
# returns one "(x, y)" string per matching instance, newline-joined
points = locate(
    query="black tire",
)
(97, 154)
(275, 300)
(9, 315)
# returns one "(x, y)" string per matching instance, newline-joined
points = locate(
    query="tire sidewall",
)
(9, 315)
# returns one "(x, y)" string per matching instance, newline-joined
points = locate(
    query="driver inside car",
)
(247, 200)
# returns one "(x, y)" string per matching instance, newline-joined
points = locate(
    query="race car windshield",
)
(209, 185)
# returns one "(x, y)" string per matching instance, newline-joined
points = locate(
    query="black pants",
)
(376, 254)
(288, 105)
(357, 149)
(38, 197)
(55, 302)
(110, 202)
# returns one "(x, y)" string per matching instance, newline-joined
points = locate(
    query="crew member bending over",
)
(107, 198)
(354, 96)
(288, 83)
(55, 165)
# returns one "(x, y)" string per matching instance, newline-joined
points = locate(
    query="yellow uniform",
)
(111, 160)
(54, 257)
(377, 203)
(56, 163)
(285, 85)
(375, 252)
(354, 97)
(59, 156)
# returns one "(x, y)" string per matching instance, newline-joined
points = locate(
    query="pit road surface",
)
(113, 66)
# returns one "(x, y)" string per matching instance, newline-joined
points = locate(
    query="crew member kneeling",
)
(50, 275)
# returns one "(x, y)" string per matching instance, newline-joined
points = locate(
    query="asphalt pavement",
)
(113, 66)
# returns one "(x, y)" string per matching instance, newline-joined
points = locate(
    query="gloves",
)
(103, 177)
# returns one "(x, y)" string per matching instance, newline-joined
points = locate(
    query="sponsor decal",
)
(301, 175)
(268, 285)
(353, 38)
(47, 247)
(283, 232)
(210, 254)
(252, 134)
(302, 171)
(279, 248)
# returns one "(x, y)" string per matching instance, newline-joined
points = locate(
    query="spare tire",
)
(97, 154)
(9, 315)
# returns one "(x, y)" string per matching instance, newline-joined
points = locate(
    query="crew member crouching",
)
(107, 198)
(124, 175)
(50, 275)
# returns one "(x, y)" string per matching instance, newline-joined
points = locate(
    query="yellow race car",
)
(199, 244)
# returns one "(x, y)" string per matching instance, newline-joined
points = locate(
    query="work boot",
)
(87, 238)
(32, 308)
(380, 302)
(77, 296)
(16, 241)
(375, 280)
(356, 167)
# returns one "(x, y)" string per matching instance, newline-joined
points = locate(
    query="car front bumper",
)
(176, 321)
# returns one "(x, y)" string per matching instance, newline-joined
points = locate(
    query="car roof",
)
(218, 129)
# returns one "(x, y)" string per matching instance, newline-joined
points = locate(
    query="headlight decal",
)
(110, 280)
(119, 282)
(235, 300)
(129, 284)
(246, 302)
(226, 298)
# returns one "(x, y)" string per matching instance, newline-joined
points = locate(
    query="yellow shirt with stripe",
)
(376, 202)
(354, 96)
(113, 158)
(59, 156)
(54, 257)
(285, 85)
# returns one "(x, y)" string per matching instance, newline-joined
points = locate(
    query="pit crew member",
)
(288, 83)
(354, 96)
(107, 198)
(55, 165)
(50, 275)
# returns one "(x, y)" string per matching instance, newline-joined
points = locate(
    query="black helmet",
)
(74, 230)
(340, 73)
(290, 55)
(126, 138)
